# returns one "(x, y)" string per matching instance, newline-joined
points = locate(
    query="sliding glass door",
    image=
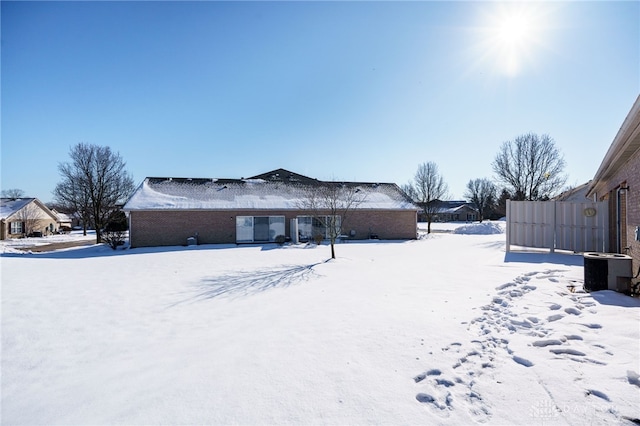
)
(258, 229)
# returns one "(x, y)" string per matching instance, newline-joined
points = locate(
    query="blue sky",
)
(360, 91)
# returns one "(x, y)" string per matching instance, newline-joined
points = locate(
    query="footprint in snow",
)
(598, 394)
(444, 382)
(424, 397)
(503, 286)
(592, 326)
(522, 361)
(545, 343)
(567, 352)
(555, 317)
(573, 337)
(633, 377)
(516, 293)
(572, 311)
(455, 346)
(433, 372)
(555, 307)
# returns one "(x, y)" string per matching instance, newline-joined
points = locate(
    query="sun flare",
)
(511, 35)
(514, 30)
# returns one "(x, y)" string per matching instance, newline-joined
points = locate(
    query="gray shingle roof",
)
(285, 191)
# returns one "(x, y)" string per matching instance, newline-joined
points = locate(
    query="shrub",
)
(117, 222)
(114, 238)
(280, 239)
(318, 239)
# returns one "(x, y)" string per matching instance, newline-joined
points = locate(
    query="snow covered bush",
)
(114, 238)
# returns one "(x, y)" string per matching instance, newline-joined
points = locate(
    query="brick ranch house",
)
(168, 211)
(618, 182)
(20, 217)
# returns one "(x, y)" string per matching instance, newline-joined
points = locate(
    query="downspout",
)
(619, 218)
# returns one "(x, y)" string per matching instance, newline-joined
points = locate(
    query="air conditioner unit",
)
(607, 271)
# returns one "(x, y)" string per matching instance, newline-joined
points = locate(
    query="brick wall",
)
(167, 228)
(632, 207)
(629, 176)
(387, 225)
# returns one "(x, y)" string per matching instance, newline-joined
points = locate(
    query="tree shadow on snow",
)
(247, 283)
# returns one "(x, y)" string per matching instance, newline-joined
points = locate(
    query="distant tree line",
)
(13, 193)
(527, 168)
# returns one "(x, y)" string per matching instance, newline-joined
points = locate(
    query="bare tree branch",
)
(93, 184)
(428, 187)
(482, 194)
(330, 203)
(531, 166)
(13, 193)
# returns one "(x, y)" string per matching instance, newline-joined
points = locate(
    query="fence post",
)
(508, 212)
(555, 230)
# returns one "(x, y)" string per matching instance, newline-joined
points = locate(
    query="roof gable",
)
(283, 175)
(10, 207)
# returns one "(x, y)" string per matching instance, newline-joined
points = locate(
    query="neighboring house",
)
(578, 194)
(168, 211)
(64, 220)
(21, 217)
(618, 182)
(454, 211)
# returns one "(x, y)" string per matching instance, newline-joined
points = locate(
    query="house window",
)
(16, 228)
(258, 229)
(244, 229)
(309, 227)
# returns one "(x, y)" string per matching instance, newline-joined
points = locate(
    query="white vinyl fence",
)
(561, 225)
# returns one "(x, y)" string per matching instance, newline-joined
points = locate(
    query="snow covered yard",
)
(13, 244)
(447, 329)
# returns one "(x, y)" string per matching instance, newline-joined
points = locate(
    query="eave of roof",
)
(624, 145)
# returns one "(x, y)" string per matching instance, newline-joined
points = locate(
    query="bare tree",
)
(482, 194)
(410, 190)
(95, 182)
(532, 166)
(428, 188)
(330, 204)
(73, 195)
(501, 205)
(30, 216)
(14, 193)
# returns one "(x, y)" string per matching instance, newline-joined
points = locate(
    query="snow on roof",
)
(62, 217)
(9, 206)
(248, 194)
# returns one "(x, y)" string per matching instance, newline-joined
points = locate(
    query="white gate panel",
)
(530, 223)
(580, 227)
(562, 225)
